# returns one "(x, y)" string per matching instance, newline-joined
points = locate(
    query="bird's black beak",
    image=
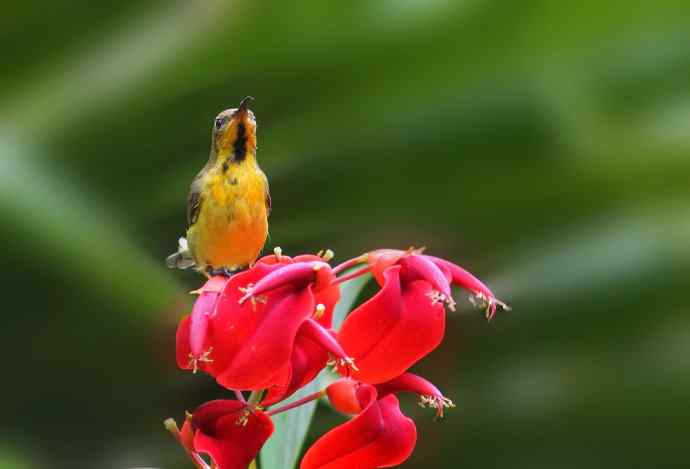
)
(244, 104)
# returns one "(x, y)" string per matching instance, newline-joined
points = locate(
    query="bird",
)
(229, 201)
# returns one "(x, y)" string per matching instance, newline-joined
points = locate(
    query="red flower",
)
(243, 330)
(309, 355)
(393, 330)
(379, 436)
(227, 431)
(341, 393)
(268, 329)
(429, 395)
(192, 339)
(405, 320)
(328, 296)
(428, 267)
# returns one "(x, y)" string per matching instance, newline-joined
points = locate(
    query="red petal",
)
(369, 323)
(429, 394)
(219, 336)
(201, 313)
(328, 297)
(382, 259)
(307, 360)
(417, 267)
(318, 334)
(221, 434)
(182, 349)
(307, 258)
(393, 330)
(206, 415)
(342, 396)
(409, 382)
(284, 259)
(380, 436)
(214, 284)
(296, 276)
(187, 435)
(193, 340)
(325, 293)
(253, 342)
(466, 280)
(462, 277)
(273, 259)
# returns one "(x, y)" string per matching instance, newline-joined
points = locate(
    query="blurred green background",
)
(543, 145)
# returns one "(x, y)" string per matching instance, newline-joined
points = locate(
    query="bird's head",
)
(234, 132)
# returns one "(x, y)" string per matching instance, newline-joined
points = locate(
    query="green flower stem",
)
(255, 397)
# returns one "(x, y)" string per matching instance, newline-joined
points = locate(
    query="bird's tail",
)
(182, 259)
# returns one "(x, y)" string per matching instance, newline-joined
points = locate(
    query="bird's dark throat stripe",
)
(241, 142)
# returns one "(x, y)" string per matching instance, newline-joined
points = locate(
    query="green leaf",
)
(282, 450)
(348, 295)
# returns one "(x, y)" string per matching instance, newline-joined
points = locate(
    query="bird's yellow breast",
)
(233, 219)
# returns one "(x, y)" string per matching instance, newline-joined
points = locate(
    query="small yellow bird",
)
(229, 201)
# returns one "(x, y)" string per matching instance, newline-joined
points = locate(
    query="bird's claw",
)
(224, 271)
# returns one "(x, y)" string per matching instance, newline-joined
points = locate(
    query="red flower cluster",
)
(269, 330)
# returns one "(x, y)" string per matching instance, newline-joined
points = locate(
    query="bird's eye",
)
(219, 122)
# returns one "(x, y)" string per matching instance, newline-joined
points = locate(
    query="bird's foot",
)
(224, 271)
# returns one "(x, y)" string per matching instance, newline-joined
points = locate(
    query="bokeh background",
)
(544, 145)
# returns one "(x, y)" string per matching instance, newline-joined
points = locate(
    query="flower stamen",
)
(436, 402)
(413, 250)
(278, 252)
(194, 360)
(253, 299)
(243, 419)
(481, 301)
(346, 362)
(438, 297)
(326, 255)
(320, 309)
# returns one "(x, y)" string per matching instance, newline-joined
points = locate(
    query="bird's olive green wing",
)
(194, 200)
(268, 203)
(268, 197)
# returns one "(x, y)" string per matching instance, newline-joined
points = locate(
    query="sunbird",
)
(229, 201)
